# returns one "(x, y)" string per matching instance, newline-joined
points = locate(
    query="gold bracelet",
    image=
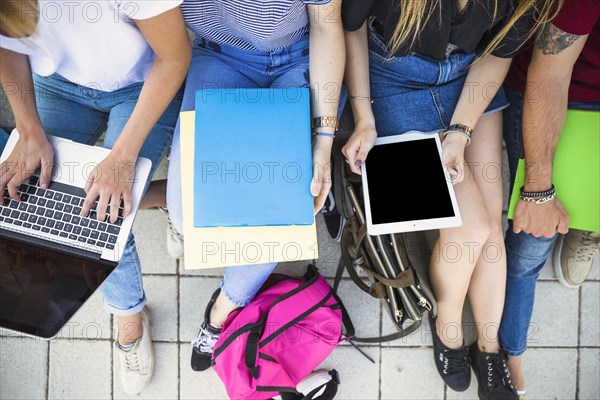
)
(461, 128)
(326, 122)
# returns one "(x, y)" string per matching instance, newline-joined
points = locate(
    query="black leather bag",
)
(395, 278)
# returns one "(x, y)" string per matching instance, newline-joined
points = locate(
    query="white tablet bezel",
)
(416, 225)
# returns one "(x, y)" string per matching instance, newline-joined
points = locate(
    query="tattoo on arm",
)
(552, 41)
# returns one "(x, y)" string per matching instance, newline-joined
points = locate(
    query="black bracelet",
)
(543, 193)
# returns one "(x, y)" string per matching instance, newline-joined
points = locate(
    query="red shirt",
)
(577, 17)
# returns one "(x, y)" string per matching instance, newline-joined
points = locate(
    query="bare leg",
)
(515, 365)
(453, 261)
(488, 284)
(130, 328)
(155, 196)
(220, 310)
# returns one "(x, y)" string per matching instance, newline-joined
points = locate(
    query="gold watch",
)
(326, 122)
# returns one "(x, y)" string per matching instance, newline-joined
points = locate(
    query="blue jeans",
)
(525, 254)
(81, 114)
(217, 66)
(415, 93)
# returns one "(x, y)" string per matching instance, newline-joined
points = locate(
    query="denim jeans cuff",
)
(232, 299)
(119, 312)
(512, 353)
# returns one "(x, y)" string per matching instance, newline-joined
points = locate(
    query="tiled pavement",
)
(563, 361)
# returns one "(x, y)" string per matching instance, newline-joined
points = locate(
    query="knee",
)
(477, 231)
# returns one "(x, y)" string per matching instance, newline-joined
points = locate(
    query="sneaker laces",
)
(498, 374)
(206, 340)
(170, 228)
(587, 246)
(455, 361)
(131, 361)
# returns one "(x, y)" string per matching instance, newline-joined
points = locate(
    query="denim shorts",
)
(416, 93)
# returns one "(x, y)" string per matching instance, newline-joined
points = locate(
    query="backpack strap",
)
(252, 350)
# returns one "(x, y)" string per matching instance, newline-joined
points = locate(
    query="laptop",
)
(410, 165)
(52, 259)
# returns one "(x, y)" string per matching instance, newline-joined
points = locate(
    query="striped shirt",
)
(259, 25)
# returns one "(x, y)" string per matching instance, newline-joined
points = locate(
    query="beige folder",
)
(227, 246)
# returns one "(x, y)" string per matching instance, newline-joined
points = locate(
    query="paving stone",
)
(364, 310)
(194, 294)
(595, 272)
(409, 374)
(420, 337)
(164, 383)
(211, 272)
(161, 294)
(150, 229)
(555, 382)
(194, 385)
(555, 316)
(589, 314)
(162, 170)
(358, 376)
(23, 368)
(589, 374)
(80, 370)
(329, 250)
(547, 272)
(92, 322)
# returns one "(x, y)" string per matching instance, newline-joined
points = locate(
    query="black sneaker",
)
(492, 375)
(452, 364)
(334, 221)
(204, 344)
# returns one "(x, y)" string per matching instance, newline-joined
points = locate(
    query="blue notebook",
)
(253, 158)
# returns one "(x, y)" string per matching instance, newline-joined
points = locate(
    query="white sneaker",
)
(574, 256)
(174, 238)
(137, 363)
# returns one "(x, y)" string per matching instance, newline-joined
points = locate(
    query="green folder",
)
(576, 171)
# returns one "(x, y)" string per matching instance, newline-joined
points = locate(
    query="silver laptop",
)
(52, 259)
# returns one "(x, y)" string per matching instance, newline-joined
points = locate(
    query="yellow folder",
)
(576, 171)
(231, 246)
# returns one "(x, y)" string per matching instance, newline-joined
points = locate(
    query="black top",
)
(471, 30)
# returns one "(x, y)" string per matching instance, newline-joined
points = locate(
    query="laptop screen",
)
(40, 290)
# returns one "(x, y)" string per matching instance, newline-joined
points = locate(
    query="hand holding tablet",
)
(406, 186)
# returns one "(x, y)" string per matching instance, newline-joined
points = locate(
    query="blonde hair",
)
(18, 18)
(415, 14)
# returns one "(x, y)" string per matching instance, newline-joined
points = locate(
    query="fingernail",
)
(358, 163)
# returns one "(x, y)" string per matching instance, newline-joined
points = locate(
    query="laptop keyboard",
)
(56, 211)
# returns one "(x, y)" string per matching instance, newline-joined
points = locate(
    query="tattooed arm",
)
(544, 112)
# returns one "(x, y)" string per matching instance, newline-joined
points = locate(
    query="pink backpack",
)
(269, 346)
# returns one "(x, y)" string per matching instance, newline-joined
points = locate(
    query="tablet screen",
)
(414, 170)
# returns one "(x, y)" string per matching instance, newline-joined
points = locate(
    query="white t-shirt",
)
(93, 43)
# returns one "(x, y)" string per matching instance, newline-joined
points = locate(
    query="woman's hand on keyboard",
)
(109, 182)
(32, 152)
